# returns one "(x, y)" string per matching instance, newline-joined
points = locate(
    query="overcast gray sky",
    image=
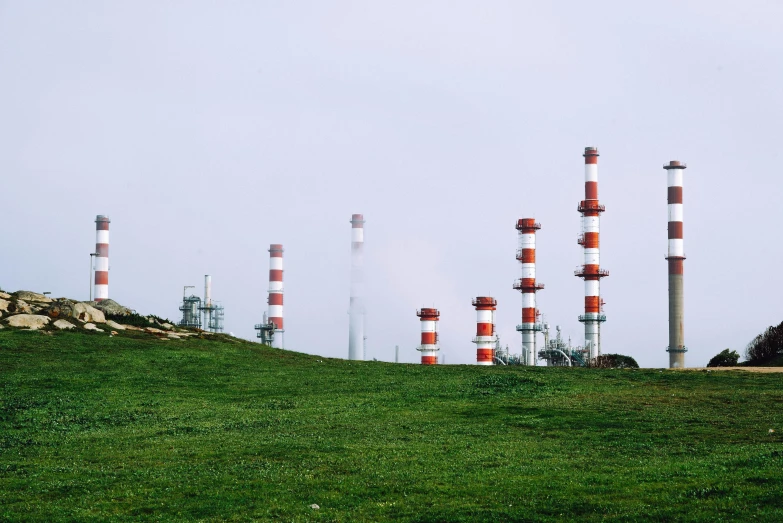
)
(208, 130)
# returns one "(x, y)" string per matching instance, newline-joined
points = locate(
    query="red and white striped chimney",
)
(275, 301)
(429, 336)
(526, 254)
(485, 329)
(676, 258)
(101, 290)
(591, 271)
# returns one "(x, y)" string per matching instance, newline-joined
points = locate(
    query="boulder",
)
(153, 330)
(19, 307)
(60, 308)
(114, 325)
(111, 307)
(32, 296)
(4, 305)
(167, 326)
(31, 321)
(4, 295)
(173, 336)
(63, 324)
(91, 327)
(85, 312)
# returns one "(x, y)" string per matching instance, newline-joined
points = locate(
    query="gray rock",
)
(111, 307)
(31, 321)
(314, 506)
(63, 324)
(114, 325)
(32, 296)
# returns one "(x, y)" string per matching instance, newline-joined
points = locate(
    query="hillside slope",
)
(134, 427)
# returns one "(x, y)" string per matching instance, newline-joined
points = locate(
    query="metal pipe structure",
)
(526, 254)
(275, 300)
(591, 271)
(676, 258)
(429, 336)
(356, 306)
(101, 257)
(485, 329)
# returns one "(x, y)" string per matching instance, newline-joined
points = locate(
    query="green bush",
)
(614, 361)
(766, 346)
(726, 358)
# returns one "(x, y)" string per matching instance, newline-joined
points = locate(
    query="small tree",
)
(726, 358)
(614, 361)
(766, 345)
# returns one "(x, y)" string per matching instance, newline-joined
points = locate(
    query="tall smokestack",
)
(526, 254)
(101, 289)
(429, 336)
(275, 301)
(591, 271)
(207, 307)
(485, 329)
(676, 257)
(356, 307)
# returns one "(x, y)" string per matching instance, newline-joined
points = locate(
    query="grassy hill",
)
(131, 428)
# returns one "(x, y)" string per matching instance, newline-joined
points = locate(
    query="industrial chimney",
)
(356, 305)
(101, 289)
(275, 301)
(526, 254)
(591, 271)
(485, 329)
(429, 336)
(676, 257)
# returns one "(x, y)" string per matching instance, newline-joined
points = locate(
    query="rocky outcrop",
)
(34, 311)
(30, 321)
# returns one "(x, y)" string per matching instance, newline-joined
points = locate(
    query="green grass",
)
(133, 428)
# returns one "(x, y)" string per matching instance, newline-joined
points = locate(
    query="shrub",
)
(614, 361)
(765, 346)
(726, 358)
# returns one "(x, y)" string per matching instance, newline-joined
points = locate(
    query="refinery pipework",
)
(101, 258)
(526, 254)
(591, 271)
(213, 313)
(356, 337)
(676, 257)
(429, 336)
(485, 339)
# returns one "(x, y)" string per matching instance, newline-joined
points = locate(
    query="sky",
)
(209, 130)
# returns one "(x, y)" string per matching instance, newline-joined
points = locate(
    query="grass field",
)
(94, 428)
